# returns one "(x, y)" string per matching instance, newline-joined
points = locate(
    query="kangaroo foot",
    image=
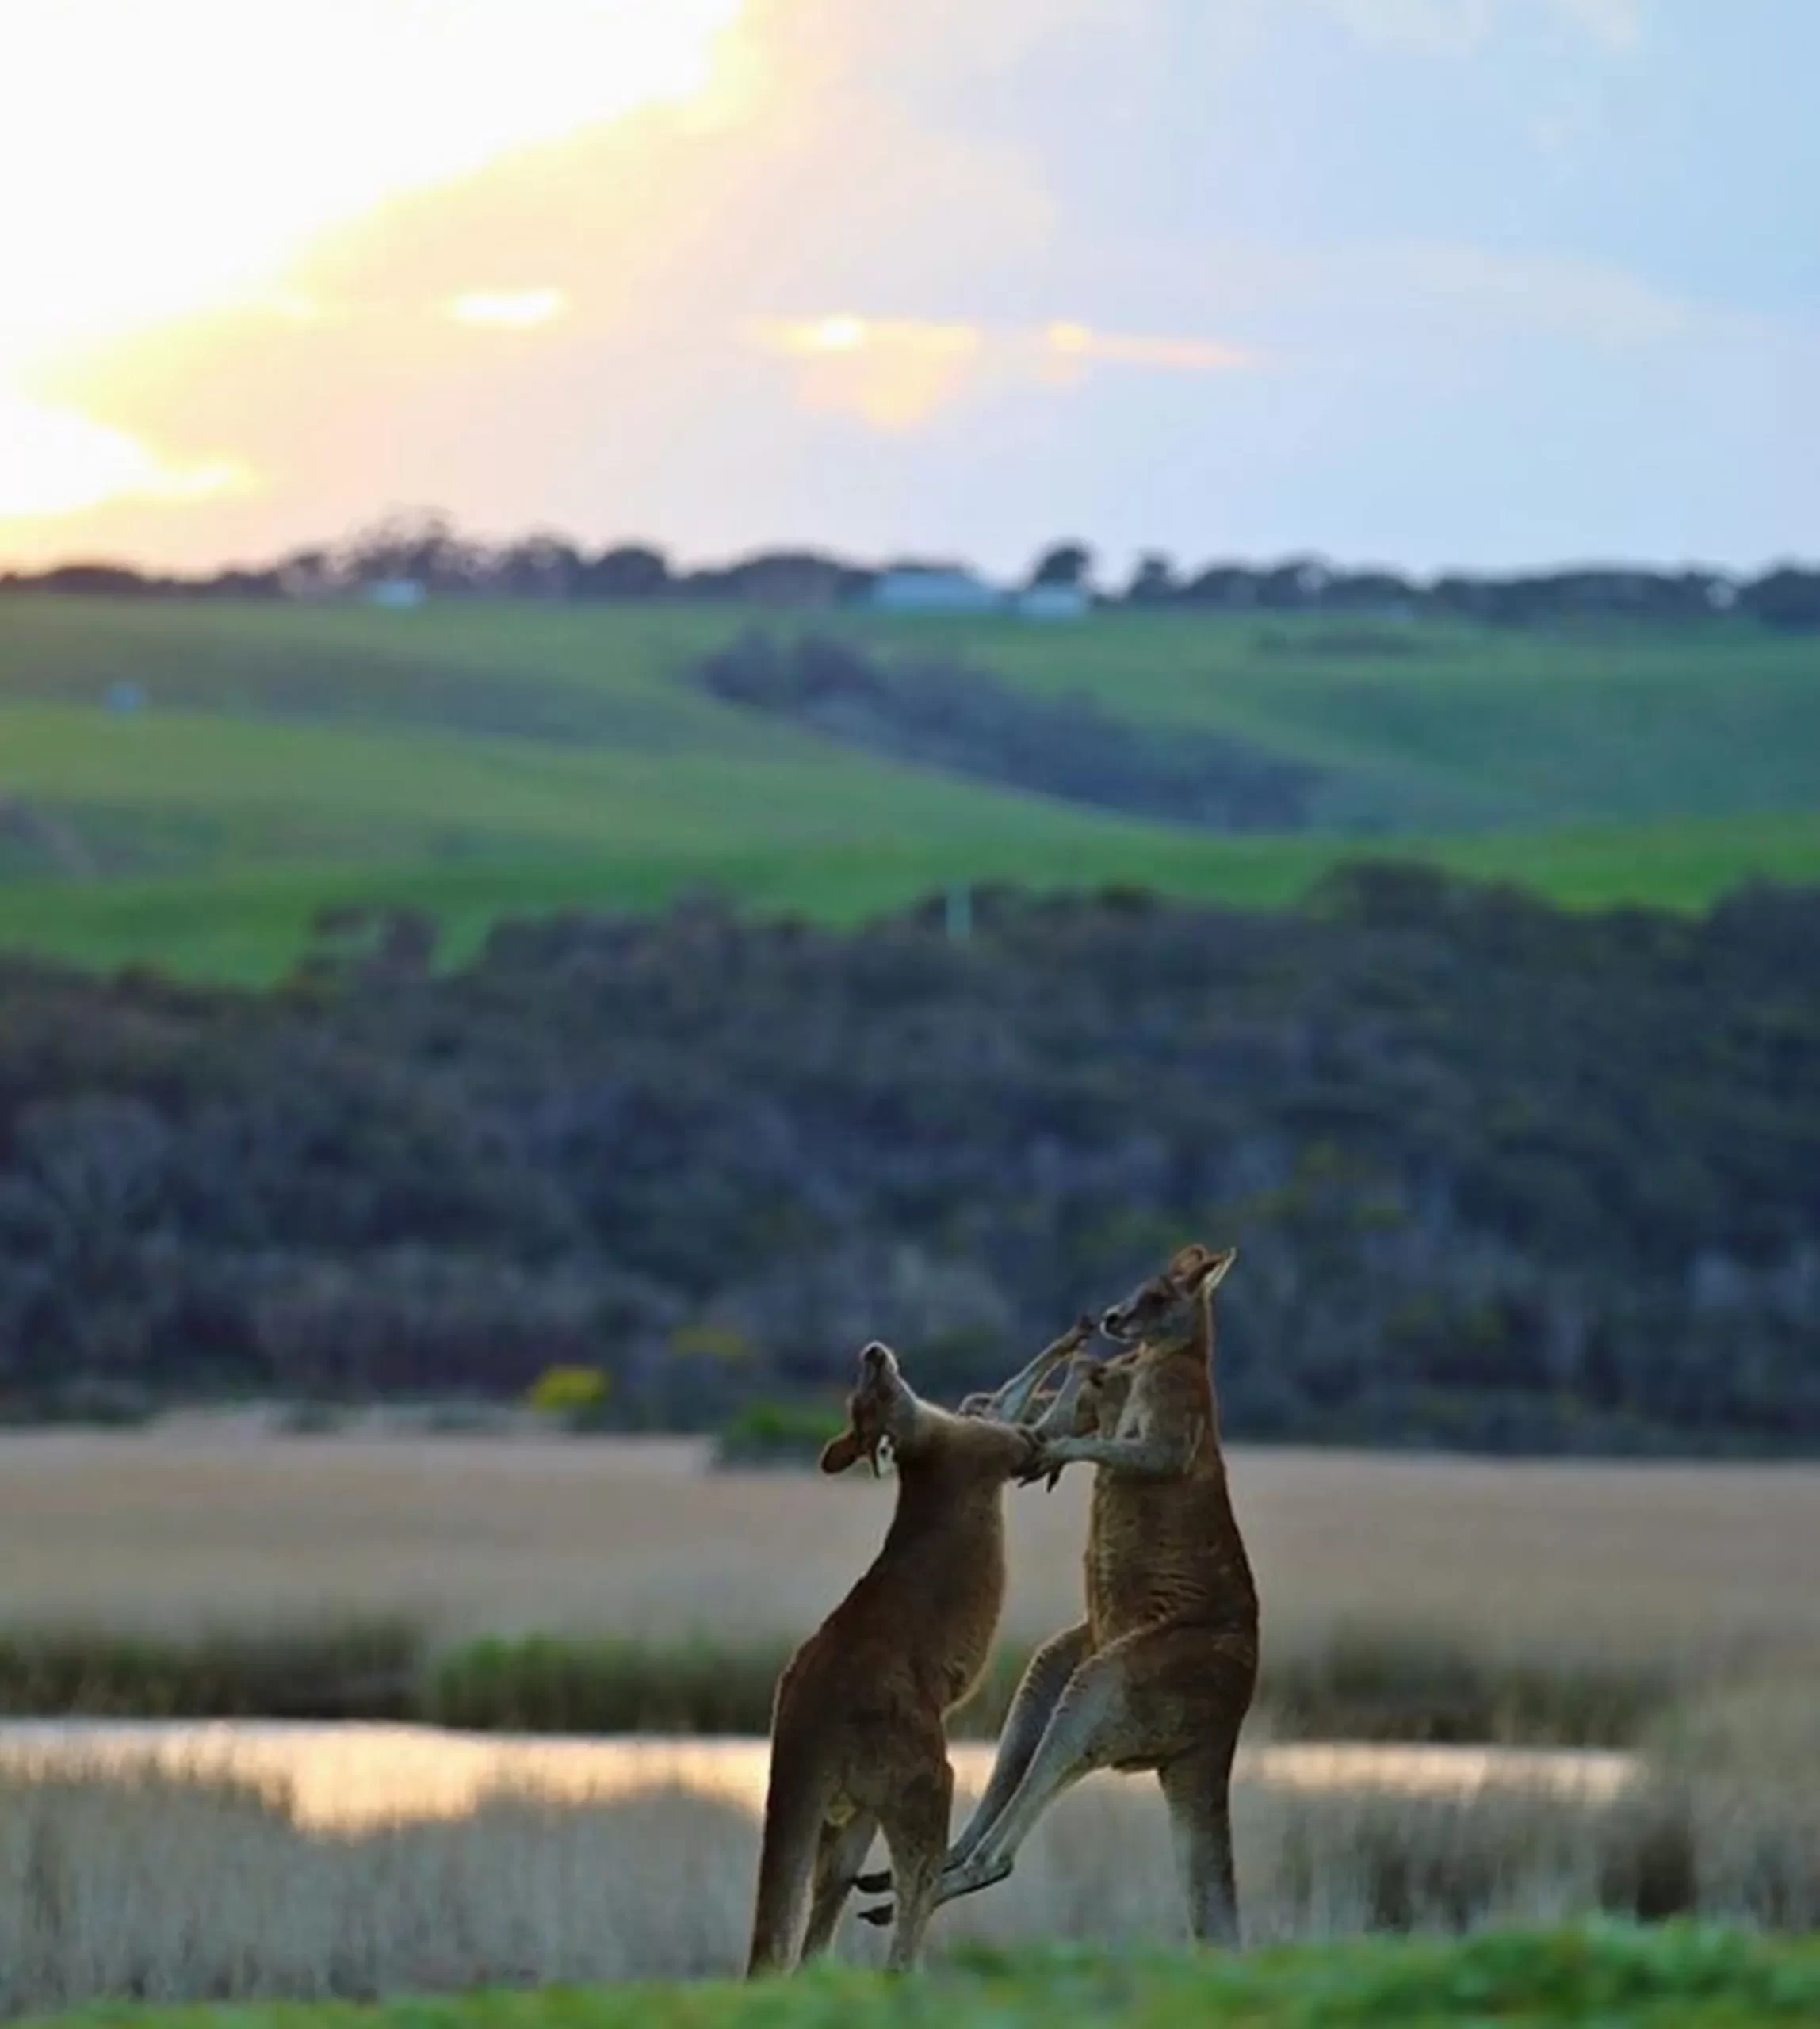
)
(970, 1878)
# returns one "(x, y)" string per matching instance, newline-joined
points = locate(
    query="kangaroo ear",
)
(1187, 1262)
(840, 1452)
(1212, 1269)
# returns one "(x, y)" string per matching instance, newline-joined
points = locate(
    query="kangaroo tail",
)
(796, 1801)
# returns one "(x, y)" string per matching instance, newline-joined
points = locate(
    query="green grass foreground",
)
(1691, 1976)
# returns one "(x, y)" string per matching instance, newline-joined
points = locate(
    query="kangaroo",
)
(857, 1724)
(1161, 1674)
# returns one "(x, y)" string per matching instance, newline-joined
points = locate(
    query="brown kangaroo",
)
(1161, 1674)
(858, 1738)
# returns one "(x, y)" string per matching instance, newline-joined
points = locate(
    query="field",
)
(174, 1886)
(494, 758)
(609, 1586)
(385, 1861)
(187, 1525)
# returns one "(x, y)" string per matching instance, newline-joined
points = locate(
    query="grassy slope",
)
(249, 926)
(491, 758)
(1698, 1977)
(1448, 725)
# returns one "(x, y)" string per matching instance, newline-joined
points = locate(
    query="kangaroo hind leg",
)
(796, 1803)
(1045, 1679)
(1197, 1790)
(838, 1859)
(916, 1826)
(1088, 1729)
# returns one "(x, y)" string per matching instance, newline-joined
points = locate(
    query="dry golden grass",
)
(170, 1885)
(183, 1527)
(157, 1886)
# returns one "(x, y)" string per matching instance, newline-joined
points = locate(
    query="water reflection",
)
(347, 1776)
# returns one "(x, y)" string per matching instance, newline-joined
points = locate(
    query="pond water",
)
(347, 1775)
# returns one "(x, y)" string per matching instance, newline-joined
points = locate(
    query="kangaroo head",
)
(881, 1413)
(1166, 1310)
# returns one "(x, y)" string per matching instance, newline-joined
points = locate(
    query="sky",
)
(1476, 284)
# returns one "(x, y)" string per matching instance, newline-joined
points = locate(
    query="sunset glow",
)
(168, 159)
(53, 462)
(912, 278)
(508, 310)
(1191, 355)
(893, 372)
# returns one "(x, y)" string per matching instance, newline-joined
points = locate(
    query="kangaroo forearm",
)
(1164, 1457)
(1011, 1400)
(1058, 1416)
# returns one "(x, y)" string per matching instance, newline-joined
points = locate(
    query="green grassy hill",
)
(491, 758)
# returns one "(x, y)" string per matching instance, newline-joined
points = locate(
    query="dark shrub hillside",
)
(1504, 1178)
(943, 714)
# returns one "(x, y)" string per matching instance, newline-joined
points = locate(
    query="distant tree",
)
(632, 571)
(305, 573)
(418, 543)
(111, 580)
(242, 585)
(1153, 583)
(1063, 563)
(1226, 587)
(1296, 582)
(1460, 597)
(1369, 591)
(782, 577)
(1788, 597)
(540, 567)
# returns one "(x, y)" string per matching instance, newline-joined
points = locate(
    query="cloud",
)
(948, 273)
(54, 462)
(186, 166)
(508, 310)
(639, 251)
(935, 41)
(1434, 28)
(1071, 341)
(892, 372)
(1457, 28)
(1618, 24)
(896, 372)
(1469, 292)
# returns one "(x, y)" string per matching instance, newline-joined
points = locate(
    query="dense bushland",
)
(1503, 1177)
(942, 714)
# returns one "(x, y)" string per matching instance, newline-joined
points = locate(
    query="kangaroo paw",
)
(881, 1914)
(874, 1884)
(970, 1878)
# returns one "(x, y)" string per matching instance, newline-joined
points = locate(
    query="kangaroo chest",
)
(1165, 1551)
